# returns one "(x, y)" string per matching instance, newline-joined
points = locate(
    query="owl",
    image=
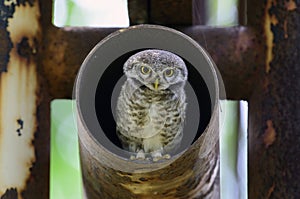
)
(151, 107)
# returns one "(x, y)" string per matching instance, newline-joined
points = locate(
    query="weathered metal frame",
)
(258, 62)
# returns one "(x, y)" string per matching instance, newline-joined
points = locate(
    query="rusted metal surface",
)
(232, 51)
(171, 12)
(165, 12)
(138, 11)
(200, 12)
(190, 181)
(23, 158)
(242, 12)
(65, 50)
(193, 175)
(5, 41)
(274, 149)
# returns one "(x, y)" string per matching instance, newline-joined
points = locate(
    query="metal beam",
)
(24, 104)
(274, 149)
(167, 12)
(231, 48)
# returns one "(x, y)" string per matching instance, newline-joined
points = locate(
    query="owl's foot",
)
(156, 156)
(139, 156)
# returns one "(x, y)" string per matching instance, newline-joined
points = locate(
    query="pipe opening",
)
(198, 102)
(101, 77)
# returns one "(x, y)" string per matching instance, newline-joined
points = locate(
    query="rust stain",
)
(145, 187)
(266, 83)
(206, 181)
(285, 29)
(21, 126)
(290, 5)
(26, 47)
(270, 134)
(271, 190)
(269, 21)
(274, 20)
(242, 45)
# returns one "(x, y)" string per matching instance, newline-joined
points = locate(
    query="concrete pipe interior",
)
(101, 77)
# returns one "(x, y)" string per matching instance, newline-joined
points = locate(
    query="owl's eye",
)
(169, 72)
(145, 70)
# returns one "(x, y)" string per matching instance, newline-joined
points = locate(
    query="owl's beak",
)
(156, 83)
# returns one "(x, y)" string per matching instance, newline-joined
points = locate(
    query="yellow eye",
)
(169, 72)
(145, 70)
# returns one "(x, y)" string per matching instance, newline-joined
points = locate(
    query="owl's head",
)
(156, 69)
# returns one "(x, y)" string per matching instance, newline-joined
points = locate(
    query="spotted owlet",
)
(151, 107)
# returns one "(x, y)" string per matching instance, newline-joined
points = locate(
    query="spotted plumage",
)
(152, 103)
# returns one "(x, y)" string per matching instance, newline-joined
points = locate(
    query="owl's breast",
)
(154, 123)
(145, 113)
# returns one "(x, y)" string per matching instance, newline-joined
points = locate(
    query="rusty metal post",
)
(274, 135)
(200, 12)
(167, 12)
(24, 107)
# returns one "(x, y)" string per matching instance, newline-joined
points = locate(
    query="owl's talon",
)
(140, 155)
(155, 159)
(167, 156)
(157, 156)
(132, 157)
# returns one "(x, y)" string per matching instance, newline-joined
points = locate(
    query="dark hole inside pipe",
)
(112, 75)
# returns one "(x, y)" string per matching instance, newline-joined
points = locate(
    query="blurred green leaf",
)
(65, 174)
